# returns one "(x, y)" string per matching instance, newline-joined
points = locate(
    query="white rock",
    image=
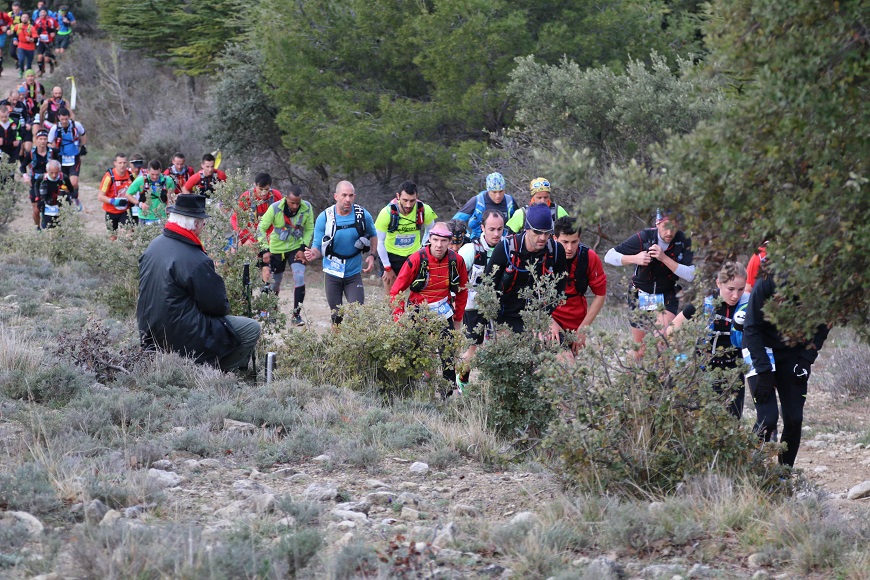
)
(33, 526)
(322, 459)
(525, 518)
(320, 492)
(358, 517)
(190, 464)
(94, 511)
(661, 571)
(376, 484)
(244, 488)
(345, 540)
(816, 444)
(164, 464)
(756, 560)
(860, 491)
(388, 521)
(419, 468)
(409, 514)
(468, 511)
(445, 536)
(656, 506)
(239, 426)
(163, 479)
(409, 486)
(299, 478)
(820, 469)
(263, 503)
(110, 518)
(602, 568)
(701, 571)
(209, 463)
(449, 554)
(287, 522)
(345, 526)
(381, 497)
(581, 562)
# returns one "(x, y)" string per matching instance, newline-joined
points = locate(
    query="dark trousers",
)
(792, 374)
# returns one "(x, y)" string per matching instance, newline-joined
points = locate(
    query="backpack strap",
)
(581, 276)
(421, 278)
(394, 217)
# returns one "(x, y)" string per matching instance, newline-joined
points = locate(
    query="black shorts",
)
(63, 40)
(28, 135)
(72, 170)
(278, 262)
(115, 220)
(396, 262)
(473, 319)
(260, 263)
(46, 49)
(515, 323)
(671, 304)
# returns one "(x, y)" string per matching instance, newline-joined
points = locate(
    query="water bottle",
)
(708, 306)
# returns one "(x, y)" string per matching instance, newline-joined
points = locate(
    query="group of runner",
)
(38, 33)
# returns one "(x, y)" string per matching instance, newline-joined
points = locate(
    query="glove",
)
(83, 150)
(764, 387)
(119, 201)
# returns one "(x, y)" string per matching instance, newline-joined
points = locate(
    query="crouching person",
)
(183, 305)
(435, 278)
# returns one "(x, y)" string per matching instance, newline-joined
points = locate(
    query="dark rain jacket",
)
(183, 302)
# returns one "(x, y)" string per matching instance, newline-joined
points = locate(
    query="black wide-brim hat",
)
(190, 205)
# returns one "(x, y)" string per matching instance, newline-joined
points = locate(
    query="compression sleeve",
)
(424, 236)
(613, 257)
(685, 272)
(382, 249)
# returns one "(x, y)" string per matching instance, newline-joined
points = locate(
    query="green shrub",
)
(28, 488)
(54, 385)
(306, 513)
(646, 427)
(395, 435)
(355, 560)
(12, 538)
(371, 350)
(301, 443)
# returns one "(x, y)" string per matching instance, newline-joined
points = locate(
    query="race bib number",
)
(68, 160)
(51, 210)
(405, 241)
(747, 358)
(650, 301)
(442, 308)
(333, 267)
(43, 37)
(135, 209)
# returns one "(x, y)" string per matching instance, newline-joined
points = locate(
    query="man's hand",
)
(370, 260)
(389, 278)
(300, 257)
(310, 254)
(642, 259)
(764, 387)
(83, 150)
(655, 251)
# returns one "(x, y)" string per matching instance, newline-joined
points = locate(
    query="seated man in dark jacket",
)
(183, 303)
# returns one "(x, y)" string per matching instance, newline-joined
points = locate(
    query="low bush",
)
(28, 488)
(646, 427)
(53, 385)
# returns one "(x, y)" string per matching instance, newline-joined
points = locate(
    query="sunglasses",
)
(542, 232)
(540, 183)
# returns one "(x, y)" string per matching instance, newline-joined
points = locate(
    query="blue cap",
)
(495, 182)
(538, 217)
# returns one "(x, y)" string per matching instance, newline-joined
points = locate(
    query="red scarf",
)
(173, 227)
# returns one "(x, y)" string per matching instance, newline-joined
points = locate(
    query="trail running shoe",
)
(297, 320)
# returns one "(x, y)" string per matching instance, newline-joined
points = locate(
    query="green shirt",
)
(406, 239)
(156, 209)
(297, 231)
(517, 223)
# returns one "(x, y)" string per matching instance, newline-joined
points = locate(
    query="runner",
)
(660, 255)
(342, 233)
(263, 196)
(539, 192)
(753, 269)
(205, 181)
(517, 257)
(33, 89)
(38, 160)
(50, 109)
(65, 22)
(6, 24)
(476, 254)
(10, 140)
(113, 194)
(403, 228)
(46, 28)
(68, 139)
(53, 187)
(726, 313)
(24, 38)
(493, 197)
(782, 369)
(291, 222)
(20, 116)
(151, 192)
(437, 279)
(180, 172)
(40, 6)
(585, 271)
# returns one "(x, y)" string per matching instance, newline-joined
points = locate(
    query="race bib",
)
(405, 241)
(43, 37)
(333, 267)
(68, 160)
(51, 210)
(650, 301)
(747, 358)
(135, 211)
(442, 308)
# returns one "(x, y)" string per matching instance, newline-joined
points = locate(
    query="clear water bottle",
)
(708, 306)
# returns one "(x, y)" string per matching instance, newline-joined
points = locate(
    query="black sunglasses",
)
(542, 232)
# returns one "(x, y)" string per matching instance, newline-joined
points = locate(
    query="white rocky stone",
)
(468, 511)
(860, 491)
(756, 560)
(358, 517)
(701, 571)
(263, 503)
(163, 479)
(409, 486)
(602, 568)
(388, 521)
(445, 536)
(661, 571)
(110, 518)
(820, 469)
(345, 540)
(409, 514)
(299, 478)
(581, 562)
(525, 518)
(419, 467)
(30, 522)
(322, 459)
(244, 488)
(239, 426)
(376, 484)
(381, 497)
(345, 526)
(163, 464)
(94, 511)
(209, 463)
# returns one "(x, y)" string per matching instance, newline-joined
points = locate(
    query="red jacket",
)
(245, 208)
(438, 287)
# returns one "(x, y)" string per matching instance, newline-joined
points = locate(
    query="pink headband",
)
(441, 231)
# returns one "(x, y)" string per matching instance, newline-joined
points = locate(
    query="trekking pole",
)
(246, 284)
